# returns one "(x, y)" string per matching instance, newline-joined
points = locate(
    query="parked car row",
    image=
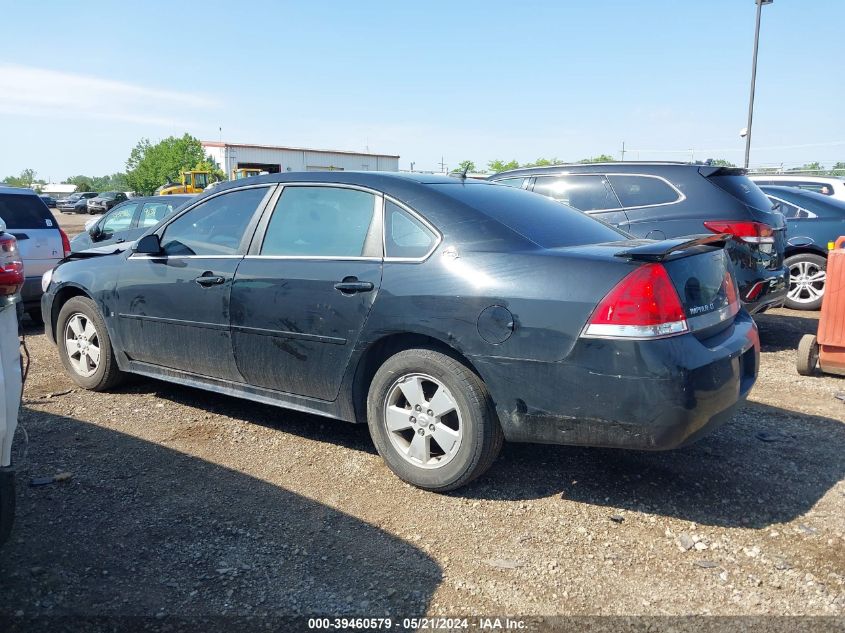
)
(90, 202)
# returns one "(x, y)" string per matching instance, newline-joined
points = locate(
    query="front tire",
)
(85, 347)
(808, 355)
(432, 420)
(807, 276)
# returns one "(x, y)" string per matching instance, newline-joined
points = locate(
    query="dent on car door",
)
(173, 308)
(590, 193)
(302, 295)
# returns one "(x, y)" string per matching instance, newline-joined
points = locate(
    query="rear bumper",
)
(652, 395)
(773, 285)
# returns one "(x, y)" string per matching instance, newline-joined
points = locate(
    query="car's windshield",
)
(108, 195)
(74, 197)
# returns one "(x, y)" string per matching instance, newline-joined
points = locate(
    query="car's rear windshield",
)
(25, 212)
(744, 190)
(543, 221)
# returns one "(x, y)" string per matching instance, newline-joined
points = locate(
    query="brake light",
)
(752, 232)
(65, 243)
(643, 305)
(11, 266)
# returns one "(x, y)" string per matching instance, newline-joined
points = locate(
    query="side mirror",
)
(95, 232)
(148, 245)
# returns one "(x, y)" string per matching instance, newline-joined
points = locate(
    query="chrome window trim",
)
(136, 256)
(201, 199)
(415, 260)
(335, 258)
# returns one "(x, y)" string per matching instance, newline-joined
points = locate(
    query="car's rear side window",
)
(404, 235)
(540, 219)
(511, 182)
(643, 191)
(744, 190)
(25, 212)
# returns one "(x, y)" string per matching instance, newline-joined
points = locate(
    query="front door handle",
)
(351, 285)
(207, 279)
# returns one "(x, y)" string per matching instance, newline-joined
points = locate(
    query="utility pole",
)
(623, 151)
(442, 165)
(759, 4)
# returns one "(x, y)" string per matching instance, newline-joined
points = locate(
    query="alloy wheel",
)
(82, 344)
(423, 421)
(806, 282)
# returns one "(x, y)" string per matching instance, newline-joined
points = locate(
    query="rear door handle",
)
(206, 280)
(350, 285)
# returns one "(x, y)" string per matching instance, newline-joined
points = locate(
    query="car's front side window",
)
(214, 228)
(511, 182)
(585, 193)
(321, 222)
(118, 220)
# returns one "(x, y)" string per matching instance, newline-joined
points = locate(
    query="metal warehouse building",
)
(273, 159)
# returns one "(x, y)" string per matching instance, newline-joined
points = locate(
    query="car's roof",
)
(617, 166)
(21, 191)
(823, 179)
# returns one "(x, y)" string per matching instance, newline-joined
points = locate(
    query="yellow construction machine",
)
(245, 172)
(193, 181)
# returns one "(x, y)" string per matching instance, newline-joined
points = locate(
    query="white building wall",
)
(230, 156)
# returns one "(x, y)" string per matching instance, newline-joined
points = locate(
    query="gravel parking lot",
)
(186, 502)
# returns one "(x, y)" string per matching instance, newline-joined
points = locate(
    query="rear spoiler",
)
(712, 170)
(658, 251)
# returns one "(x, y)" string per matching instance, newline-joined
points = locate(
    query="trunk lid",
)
(32, 224)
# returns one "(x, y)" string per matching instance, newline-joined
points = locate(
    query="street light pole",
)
(759, 4)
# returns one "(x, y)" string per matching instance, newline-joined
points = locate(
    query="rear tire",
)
(808, 355)
(803, 293)
(85, 347)
(445, 432)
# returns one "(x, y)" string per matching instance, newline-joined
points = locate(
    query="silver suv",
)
(41, 242)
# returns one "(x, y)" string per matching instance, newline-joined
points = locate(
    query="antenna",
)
(464, 172)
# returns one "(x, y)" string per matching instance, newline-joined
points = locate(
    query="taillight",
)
(644, 305)
(11, 266)
(752, 232)
(65, 243)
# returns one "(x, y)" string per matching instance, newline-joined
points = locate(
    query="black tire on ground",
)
(808, 355)
(107, 374)
(812, 260)
(481, 434)
(35, 315)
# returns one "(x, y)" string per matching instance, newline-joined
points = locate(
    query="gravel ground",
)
(187, 502)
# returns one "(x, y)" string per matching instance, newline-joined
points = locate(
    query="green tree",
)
(150, 166)
(721, 162)
(25, 179)
(838, 169)
(465, 165)
(601, 158)
(814, 167)
(543, 162)
(499, 165)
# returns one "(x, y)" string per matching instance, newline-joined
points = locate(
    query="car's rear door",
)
(302, 295)
(173, 308)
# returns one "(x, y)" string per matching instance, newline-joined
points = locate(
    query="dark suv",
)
(663, 200)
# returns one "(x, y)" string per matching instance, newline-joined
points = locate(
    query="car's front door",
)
(173, 308)
(302, 295)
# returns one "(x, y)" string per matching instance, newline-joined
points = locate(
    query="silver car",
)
(41, 242)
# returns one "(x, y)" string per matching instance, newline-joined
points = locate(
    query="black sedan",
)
(813, 220)
(447, 314)
(105, 201)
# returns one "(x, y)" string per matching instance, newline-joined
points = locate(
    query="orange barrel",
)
(831, 336)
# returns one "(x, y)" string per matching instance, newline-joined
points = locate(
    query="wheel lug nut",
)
(421, 431)
(429, 412)
(418, 408)
(413, 420)
(431, 427)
